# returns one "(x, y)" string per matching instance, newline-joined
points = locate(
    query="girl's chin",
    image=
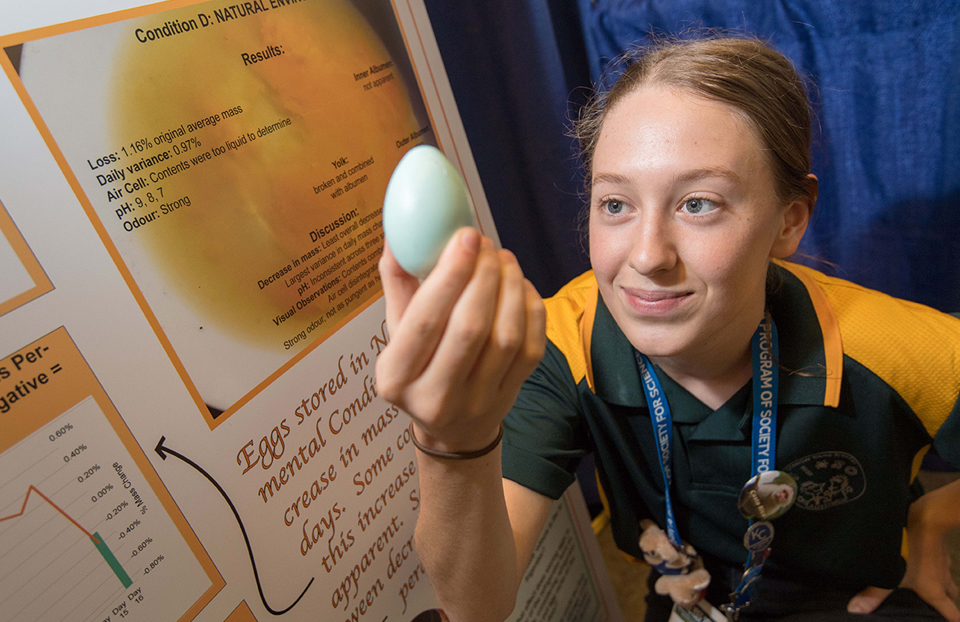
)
(659, 344)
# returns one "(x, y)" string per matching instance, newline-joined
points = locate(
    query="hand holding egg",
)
(463, 340)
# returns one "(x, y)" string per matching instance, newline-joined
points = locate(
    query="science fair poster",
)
(190, 315)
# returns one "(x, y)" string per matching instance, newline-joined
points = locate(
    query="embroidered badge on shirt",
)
(827, 479)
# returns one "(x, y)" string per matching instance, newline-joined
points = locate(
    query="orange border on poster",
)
(241, 614)
(41, 282)
(152, 9)
(58, 394)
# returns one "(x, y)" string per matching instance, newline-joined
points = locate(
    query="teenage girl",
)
(659, 361)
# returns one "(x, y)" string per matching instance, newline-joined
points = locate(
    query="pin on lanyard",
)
(753, 502)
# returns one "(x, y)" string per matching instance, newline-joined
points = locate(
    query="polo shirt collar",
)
(811, 350)
(809, 346)
(616, 378)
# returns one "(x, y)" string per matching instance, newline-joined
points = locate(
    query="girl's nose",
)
(654, 249)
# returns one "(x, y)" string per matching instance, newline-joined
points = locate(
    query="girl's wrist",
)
(460, 454)
(465, 446)
(935, 512)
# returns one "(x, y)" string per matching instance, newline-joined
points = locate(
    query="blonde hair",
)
(744, 72)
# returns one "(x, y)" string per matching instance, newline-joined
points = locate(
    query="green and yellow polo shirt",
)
(867, 383)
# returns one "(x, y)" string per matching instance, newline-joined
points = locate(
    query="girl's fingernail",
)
(470, 239)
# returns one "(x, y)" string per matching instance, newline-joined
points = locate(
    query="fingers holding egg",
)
(509, 328)
(398, 287)
(466, 329)
(425, 205)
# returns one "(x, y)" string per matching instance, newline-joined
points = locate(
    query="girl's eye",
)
(699, 206)
(613, 206)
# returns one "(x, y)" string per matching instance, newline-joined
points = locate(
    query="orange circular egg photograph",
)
(268, 140)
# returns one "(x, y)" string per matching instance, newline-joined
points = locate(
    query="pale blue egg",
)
(425, 203)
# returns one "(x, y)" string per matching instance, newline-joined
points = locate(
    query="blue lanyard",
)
(766, 385)
(765, 390)
(663, 431)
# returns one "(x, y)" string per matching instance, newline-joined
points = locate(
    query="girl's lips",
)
(655, 295)
(655, 302)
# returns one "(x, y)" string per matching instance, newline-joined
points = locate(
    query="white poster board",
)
(190, 314)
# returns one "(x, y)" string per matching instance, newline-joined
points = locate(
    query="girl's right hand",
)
(461, 343)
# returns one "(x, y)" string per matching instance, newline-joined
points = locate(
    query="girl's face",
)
(683, 222)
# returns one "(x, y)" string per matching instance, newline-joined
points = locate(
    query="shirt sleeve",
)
(946, 439)
(544, 434)
(946, 442)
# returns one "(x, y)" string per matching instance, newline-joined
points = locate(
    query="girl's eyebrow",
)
(708, 172)
(685, 176)
(610, 178)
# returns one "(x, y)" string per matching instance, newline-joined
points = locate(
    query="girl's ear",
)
(794, 221)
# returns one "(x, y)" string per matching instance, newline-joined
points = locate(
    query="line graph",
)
(82, 535)
(26, 498)
(98, 542)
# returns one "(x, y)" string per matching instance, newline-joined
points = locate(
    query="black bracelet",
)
(458, 455)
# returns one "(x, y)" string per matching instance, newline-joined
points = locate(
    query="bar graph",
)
(111, 560)
(95, 538)
(82, 534)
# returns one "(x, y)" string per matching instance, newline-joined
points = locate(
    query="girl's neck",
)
(717, 369)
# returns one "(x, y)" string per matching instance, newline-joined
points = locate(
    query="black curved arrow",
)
(163, 451)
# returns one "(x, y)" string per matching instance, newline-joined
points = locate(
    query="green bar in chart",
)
(112, 560)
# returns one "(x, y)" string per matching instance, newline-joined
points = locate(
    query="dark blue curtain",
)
(887, 149)
(887, 145)
(518, 71)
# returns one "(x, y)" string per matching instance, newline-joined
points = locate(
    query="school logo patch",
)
(827, 479)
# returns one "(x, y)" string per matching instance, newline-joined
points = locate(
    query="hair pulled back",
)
(744, 72)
